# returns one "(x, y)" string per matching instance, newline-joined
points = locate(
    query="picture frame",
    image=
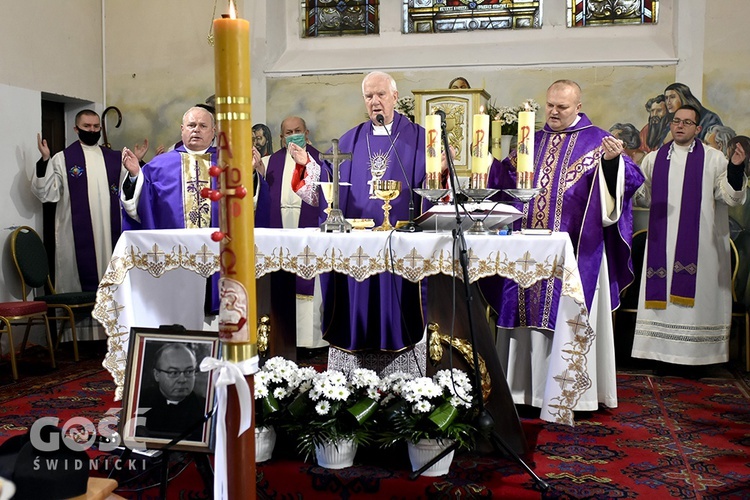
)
(165, 392)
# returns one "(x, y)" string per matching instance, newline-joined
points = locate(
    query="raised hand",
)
(140, 149)
(43, 148)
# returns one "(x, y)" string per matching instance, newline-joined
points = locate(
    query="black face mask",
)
(89, 138)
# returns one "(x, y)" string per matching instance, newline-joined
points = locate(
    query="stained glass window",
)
(609, 12)
(340, 17)
(445, 16)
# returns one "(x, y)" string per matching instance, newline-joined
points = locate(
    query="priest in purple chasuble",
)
(383, 312)
(84, 182)
(288, 210)
(166, 192)
(587, 186)
(685, 301)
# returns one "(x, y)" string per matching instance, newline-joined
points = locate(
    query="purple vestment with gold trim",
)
(383, 312)
(566, 167)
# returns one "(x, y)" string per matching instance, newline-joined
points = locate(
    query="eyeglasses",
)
(190, 372)
(687, 123)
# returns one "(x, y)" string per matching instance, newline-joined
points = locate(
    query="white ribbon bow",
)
(229, 374)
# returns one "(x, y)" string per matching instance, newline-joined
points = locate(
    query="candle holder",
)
(432, 195)
(478, 196)
(523, 195)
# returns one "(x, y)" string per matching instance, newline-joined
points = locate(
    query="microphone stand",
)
(411, 226)
(483, 421)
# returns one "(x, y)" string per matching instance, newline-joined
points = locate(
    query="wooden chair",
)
(30, 312)
(740, 252)
(30, 258)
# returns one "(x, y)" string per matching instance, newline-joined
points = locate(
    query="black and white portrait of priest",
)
(173, 393)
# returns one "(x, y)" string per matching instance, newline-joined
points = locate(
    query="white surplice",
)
(697, 335)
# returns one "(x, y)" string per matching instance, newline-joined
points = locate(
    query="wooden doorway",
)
(53, 130)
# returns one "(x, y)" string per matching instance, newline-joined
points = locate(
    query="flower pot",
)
(265, 440)
(338, 455)
(425, 450)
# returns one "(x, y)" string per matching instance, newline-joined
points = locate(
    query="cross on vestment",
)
(335, 221)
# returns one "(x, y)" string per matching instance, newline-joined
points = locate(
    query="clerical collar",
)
(380, 130)
(170, 402)
(575, 122)
(195, 152)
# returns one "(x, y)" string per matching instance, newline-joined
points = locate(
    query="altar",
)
(158, 277)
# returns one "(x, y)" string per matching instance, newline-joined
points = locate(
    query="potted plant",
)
(275, 386)
(508, 116)
(430, 414)
(405, 106)
(331, 415)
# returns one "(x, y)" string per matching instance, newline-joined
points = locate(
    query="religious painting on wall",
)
(340, 17)
(446, 16)
(612, 12)
(167, 397)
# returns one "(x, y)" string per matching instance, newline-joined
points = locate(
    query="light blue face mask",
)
(298, 139)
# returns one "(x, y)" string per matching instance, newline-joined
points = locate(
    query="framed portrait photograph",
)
(166, 395)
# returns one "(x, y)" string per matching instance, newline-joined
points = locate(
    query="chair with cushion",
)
(30, 258)
(30, 312)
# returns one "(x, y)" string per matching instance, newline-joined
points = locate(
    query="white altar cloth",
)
(158, 277)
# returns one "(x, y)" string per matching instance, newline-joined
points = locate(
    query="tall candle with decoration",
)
(496, 132)
(525, 149)
(237, 327)
(433, 150)
(479, 149)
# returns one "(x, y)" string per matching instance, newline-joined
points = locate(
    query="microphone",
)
(411, 226)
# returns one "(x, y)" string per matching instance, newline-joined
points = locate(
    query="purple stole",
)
(83, 233)
(566, 166)
(685, 269)
(161, 202)
(309, 215)
(368, 315)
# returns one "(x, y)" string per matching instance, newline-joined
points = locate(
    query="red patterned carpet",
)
(669, 438)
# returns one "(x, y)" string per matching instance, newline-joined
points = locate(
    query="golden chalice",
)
(386, 190)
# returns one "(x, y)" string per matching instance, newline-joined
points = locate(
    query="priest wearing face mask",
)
(83, 180)
(288, 210)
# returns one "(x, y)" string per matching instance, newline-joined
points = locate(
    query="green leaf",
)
(363, 409)
(443, 415)
(270, 405)
(299, 406)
